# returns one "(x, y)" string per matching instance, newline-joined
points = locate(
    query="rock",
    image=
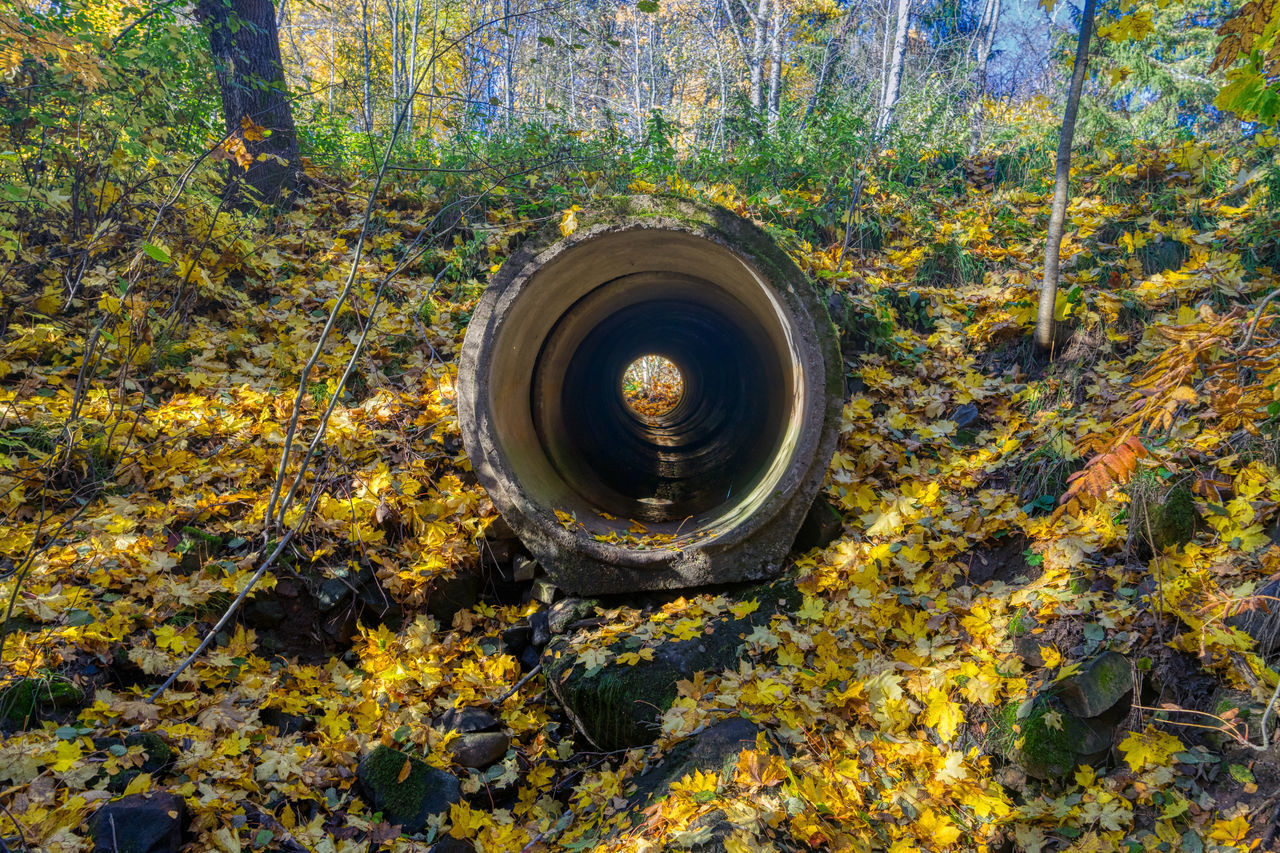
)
(197, 548)
(451, 595)
(1099, 686)
(264, 612)
(618, 705)
(1047, 748)
(565, 612)
(466, 720)
(524, 568)
(378, 603)
(498, 530)
(713, 750)
(1163, 255)
(540, 623)
(157, 757)
(139, 823)
(332, 594)
(544, 590)
(426, 791)
(1160, 518)
(287, 723)
(822, 525)
(530, 657)
(22, 702)
(966, 416)
(479, 749)
(449, 844)
(706, 834)
(1259, 617)
(516, 639)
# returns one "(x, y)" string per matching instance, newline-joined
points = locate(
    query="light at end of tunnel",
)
(652, 386)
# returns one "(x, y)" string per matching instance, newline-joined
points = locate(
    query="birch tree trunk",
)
(990, 21)
(1062, 180)
(366, 56)
(510, 81)
(893, 80)
(774, 110)
(755, 61)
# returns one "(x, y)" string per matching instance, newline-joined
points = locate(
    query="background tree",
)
(1062, 184)
(245, 46)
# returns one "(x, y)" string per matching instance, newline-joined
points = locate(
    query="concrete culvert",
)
(708, 488)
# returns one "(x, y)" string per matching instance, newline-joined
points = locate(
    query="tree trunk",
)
(893, 80)
(755, 62)
(986, 38)
(991, 20)
(366, 55)
(834, 45)
(245, 46)
(509, 90)
(774, 110)
(1058, 213)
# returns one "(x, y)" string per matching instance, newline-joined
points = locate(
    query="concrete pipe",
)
(612, 499)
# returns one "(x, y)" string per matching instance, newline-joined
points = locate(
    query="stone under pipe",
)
(608, 499)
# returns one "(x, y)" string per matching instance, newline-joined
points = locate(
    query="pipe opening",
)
(648, 401)
(709, 449)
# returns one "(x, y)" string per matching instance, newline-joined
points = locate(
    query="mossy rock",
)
(22, 702)
(1045, 739)
(157, 757)
(1160, 518)
(1048, 742)
(714, 750)
(1099, 687)
(619, 706)
(424, 792)
(1174, 521)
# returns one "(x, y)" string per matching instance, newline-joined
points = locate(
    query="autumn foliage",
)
(154, 343)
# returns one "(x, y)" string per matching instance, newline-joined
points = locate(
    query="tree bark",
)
(755, 61)
(245, 46)
(990, 20)
(893, 81)
(986, 38)
(774, 108)
(834, 45)
(1058, 213)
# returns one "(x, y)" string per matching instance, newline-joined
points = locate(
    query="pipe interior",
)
(579, 446)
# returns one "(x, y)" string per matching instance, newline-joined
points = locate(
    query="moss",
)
(1021, 622)
(619, 705)
(1174, 522)
(157, 757)
(399, 800)
(424, 792)
(1046, 752)
(23, 701)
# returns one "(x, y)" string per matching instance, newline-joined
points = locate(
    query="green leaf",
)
(263, 837)
(67, 733)
(647, 6)
(79, 618)
(1241, 774)
(156, 253)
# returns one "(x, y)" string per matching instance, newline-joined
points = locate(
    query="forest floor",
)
(892, 699)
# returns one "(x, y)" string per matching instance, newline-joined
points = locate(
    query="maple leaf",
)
(1150, 748)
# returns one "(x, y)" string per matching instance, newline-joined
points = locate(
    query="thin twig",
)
(521, 683)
